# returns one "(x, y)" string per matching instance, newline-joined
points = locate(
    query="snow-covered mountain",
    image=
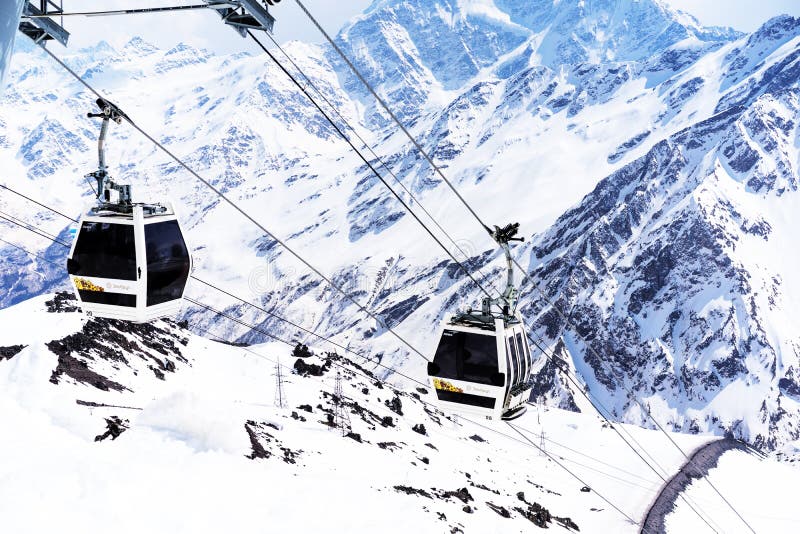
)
(678, 269)
(651, 161)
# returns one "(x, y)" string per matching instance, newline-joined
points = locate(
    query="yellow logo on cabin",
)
(82, 283)
(444, 385)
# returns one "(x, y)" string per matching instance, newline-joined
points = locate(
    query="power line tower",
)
(541, 443)
(280, 394)
(341, 418)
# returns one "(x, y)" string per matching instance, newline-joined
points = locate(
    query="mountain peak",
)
(776, 28)
(99, 48)
(139, 45)
(417, 46)
(181, 48)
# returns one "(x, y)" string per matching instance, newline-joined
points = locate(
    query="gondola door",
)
(513, 374)
(514, 340)
(102, 267)
(141, 264)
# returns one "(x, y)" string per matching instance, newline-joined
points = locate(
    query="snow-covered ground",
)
(184, 466)
(763, 490)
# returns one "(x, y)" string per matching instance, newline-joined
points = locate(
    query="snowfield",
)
(763, 487)
(187, 462)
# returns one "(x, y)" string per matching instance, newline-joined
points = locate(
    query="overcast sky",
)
(205, 29)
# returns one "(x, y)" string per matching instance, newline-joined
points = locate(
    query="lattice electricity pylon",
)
(341, 417)
(280, 394)
(541, 444)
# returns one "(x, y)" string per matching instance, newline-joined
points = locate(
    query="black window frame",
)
(451, 363)
(511, 344)
(526, 357)
(167, 272)
(102, 257)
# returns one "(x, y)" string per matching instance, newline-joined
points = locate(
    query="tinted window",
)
(447, 354)
(105, 250)
(466, 398)
(105, 297)
(524, 356)
(463, 356)
(480, 357)
(509, 373)
(167, 262)
(514, 360)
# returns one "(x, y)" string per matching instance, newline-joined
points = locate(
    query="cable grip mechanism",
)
(507, 302)
(108, 112)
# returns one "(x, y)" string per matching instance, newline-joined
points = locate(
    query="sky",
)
(744, 15)
(204, 29)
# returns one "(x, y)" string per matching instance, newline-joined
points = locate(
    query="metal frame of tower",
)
(280, 394)
(341, 419)
(38, 25)
(242, 15)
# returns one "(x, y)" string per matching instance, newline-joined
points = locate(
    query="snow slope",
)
(771, 510)
(207, 450)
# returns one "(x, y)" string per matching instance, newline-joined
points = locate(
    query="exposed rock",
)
(62, 302)
(6, 353)
(408, 490)
(354, 436)
(462, 495)
(387, 421)
(301, 351)
(304, 369)
(110, 340)
(265, 445)
(501, 511)
(396, 405)
(114, 428)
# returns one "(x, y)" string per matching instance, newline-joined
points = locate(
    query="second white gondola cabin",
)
(132, 266)
(482, 366)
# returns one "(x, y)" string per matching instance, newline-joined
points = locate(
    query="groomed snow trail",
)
(705, 458)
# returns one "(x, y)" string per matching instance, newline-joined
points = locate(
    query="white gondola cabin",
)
(128, 260)
(131, 266)
(482, 366)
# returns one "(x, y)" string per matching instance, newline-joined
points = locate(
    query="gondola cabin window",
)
(514, 373)
(525, 356)
(105, 250)
(168, 262)
(467, 356)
